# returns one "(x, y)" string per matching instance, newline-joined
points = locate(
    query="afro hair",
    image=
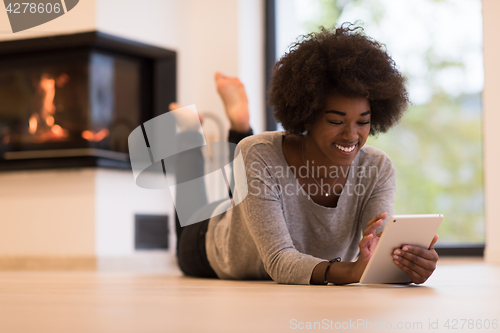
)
(343, 61)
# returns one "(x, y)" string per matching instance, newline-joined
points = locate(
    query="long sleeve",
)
(383, 195)
(263, 215)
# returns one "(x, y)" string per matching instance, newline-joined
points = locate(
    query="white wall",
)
(491, 121)
(117, 200)
(47, 213)
(251, 64)
(209, 36)
(74, 212)
(164, 23)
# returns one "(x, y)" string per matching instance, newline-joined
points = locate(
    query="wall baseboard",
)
(157, 261)
(141, 261)
(492, 256)
(46, 263)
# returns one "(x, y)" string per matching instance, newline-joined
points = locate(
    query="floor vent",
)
(151, 232)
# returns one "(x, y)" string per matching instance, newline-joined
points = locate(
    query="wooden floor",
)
(73, 302)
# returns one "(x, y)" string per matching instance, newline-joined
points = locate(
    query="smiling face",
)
(340, 131)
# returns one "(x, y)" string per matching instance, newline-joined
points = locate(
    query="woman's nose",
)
(350, 134)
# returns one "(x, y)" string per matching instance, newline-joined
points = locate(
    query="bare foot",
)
(232, 93)
(173, 106)
(187, 119)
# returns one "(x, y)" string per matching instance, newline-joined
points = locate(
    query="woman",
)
(315, 191)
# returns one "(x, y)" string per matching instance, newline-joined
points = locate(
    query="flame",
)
(101, 134)
(59, 131)
(50, 121)
(42, 122)
(95, 137)
(48, 85)
(88, 135)
(33, 124)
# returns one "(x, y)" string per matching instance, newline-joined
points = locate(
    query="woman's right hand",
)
(368, 243)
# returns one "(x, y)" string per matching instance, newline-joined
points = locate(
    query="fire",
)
(50, 120)
(95, 137)
(33, 124)
(42, 122)
(48, 86)
(58, 130)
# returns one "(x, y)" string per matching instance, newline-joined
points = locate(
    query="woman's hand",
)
(418, 262)
(368, 243)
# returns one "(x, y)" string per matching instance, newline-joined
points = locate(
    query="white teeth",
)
(346, 149)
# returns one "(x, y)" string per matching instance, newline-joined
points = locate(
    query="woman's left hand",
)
(416, 261)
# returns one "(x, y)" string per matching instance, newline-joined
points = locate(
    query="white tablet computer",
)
(399, 230)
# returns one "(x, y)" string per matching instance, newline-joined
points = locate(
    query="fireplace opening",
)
(72, 101)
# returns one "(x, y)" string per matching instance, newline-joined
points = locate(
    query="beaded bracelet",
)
(328, 267)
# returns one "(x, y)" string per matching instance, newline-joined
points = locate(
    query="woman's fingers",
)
(364, 244)
(367, 246)
(365, 240)
(415, 252)
(415, 275)
(368, 242)
(381, 216)
(372, 226)
(419, 263)
(434, 240)
(376, 220)
(413, 262)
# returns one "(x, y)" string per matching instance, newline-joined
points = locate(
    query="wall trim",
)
(47, 263)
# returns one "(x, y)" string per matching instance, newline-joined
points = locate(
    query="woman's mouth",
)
(346, 149)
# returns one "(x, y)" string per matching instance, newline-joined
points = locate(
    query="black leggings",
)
(191, 251)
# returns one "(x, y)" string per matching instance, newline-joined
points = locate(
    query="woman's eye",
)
(363, 122)
(335, 122)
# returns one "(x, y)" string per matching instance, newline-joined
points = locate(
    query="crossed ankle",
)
(241, 128)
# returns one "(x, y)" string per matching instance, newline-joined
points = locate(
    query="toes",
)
(219, 77)
(173, 106)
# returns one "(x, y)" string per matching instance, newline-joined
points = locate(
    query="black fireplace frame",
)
(158, 90)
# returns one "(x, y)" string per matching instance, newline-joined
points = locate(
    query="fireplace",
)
(72, 100)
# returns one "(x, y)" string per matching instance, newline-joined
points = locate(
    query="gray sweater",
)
(278, 232)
